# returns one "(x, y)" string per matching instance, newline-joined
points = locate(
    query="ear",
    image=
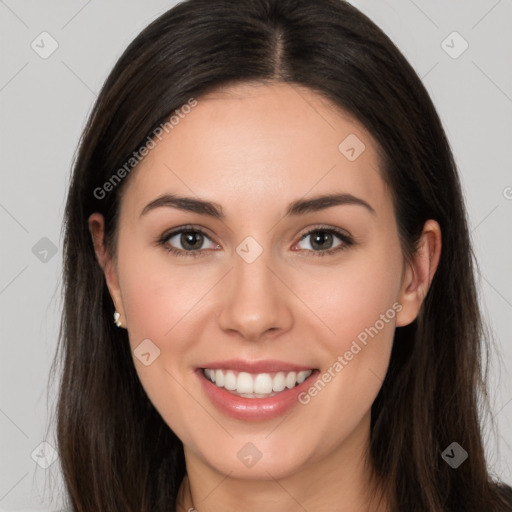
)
(419, 273)
(107, 263)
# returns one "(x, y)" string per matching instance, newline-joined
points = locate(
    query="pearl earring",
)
(117, 320)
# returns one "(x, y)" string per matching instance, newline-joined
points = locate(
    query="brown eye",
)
(325, 241)
(190, 240)
(186, 242)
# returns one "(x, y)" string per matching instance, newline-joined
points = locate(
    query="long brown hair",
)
(116, 452)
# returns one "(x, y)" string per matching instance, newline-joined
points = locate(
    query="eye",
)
(189, 238)
(323, 241)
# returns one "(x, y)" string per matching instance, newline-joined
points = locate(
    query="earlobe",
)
(419, 273)
(105, 260)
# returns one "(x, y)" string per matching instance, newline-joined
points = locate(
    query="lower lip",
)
(252, 409)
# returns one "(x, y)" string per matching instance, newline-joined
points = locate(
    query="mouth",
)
(254, 391)
(259, 385)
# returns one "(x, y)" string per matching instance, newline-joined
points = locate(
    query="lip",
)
(265, 366)
(253, 409)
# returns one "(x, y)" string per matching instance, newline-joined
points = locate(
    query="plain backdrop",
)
(44, 103)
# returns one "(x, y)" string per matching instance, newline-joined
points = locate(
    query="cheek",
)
(158, 294)
(355, 296)
(160, 307)
(367, 301)
(359, 305)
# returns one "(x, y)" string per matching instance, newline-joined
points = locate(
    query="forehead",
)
(262, 145)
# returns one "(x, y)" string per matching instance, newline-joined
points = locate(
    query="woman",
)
(269, 291)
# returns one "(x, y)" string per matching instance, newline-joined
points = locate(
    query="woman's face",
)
(276, 286)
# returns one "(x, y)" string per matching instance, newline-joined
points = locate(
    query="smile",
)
(254, 391)
(260, 385)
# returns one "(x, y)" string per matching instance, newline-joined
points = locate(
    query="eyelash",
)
(346, 240)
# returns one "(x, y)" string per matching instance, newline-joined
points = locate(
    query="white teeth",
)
(230, 380)
(291, 379)
(263, 383)
(279, 382)
(303, 375)
(255, 386)
(244, 383)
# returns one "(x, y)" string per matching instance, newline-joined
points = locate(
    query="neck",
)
(343, 481)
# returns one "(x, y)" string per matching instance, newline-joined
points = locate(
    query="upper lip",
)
(264, 366)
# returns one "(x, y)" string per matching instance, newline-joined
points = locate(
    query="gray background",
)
(43, 107)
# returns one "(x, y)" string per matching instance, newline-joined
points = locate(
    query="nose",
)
(256, 303)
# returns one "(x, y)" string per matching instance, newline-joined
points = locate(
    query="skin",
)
(253, 149)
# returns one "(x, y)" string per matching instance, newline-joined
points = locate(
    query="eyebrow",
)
(212, 209)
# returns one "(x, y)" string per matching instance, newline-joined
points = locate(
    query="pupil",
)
(191, 240)
(321, 236)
